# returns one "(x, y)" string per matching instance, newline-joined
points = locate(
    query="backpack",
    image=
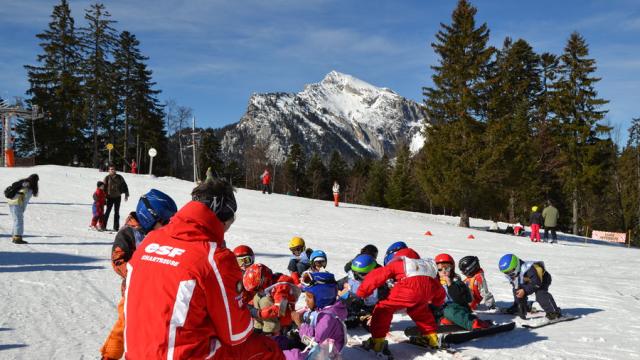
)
(11, 190)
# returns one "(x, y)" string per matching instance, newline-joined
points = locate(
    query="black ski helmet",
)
(468, 265)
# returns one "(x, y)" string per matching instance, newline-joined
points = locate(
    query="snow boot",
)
(17, 239)
(429, 340)
(378, 345)
(553, 315)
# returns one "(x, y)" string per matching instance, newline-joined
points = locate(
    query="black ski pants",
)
(113, 202)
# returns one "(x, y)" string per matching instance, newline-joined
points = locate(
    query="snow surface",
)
(59, 292)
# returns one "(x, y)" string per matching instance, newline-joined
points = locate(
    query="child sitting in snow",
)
(528, 277)
(317, 263)
(367, 249)
(359, 310)
(475, 280)
(274, 296)
(299, 261)
(321, 326)
(456, 310)
(99, 200)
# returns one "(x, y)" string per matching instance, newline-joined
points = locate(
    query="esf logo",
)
(169, 251)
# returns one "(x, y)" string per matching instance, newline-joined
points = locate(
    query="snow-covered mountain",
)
(340, 112)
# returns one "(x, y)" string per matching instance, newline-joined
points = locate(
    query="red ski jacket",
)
(410, 287)
(100, 197)
(184, 291)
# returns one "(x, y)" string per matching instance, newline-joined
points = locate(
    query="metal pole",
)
(193, 142)
(151, 165)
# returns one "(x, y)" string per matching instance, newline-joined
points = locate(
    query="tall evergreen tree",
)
(317, 178)
(401, 188)
(294, 170)
(452, 172)
(377, 184)
(99, 40)
(55, 86)
(209, 154)
(577, 107)
(338, 169)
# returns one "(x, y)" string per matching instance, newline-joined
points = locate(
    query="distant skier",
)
(97, 209)
(528, 277)
(535, 220)
(266, 181)
(550, 215)
(336, 193)
(134, 166)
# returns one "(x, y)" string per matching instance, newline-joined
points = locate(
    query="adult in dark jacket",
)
(535, 220)
(114, 186)
(550, 215)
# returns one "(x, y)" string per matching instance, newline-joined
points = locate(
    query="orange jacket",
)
(479, 290)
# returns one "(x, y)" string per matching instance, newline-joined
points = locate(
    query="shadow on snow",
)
(27, 261)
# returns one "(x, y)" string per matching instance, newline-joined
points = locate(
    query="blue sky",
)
(211, 55)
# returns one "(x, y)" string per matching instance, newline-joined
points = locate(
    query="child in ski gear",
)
(244, 256)
(518, 230)
(99, 200)
(369, 250)
(535, 220)
(114, 186)
(475, 280)
(184, 291)
(299, 261)
(19, 194)
(154, 209)
(550, 215)
(392, 249)
(336, 193)
(415, 288)
(528, 277)
(317, 263)
(359, 310)
(274, 296)
(456, 308)
(321, 327)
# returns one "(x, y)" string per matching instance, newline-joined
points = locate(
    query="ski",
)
(460, 337)
(442, 329)
(536, 323)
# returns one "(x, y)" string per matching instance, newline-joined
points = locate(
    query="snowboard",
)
(460, 337)
(538, 323)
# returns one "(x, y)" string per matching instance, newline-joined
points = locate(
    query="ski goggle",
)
(244, 261)
(297, 250)
(320, 263)
(444, 269)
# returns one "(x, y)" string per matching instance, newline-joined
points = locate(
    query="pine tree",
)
(98, 40)
(377, 184)
(576, 106)
(294, 170)
(319, 187)
(401, 189)
(55, 86)
(209, 152)
(338, 168)
(452, 172)
(509, 155)
(629, 171)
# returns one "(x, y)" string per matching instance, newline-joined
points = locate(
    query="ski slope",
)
(59, 292)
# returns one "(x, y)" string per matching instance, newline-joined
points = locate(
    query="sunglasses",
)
(444, 269)
(297, 249)
(244, 261)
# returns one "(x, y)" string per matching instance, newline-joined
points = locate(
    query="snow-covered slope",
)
(59, 293)
(340, 112)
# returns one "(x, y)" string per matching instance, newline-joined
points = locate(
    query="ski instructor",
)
(184, 288)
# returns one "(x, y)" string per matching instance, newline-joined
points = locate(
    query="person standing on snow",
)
(154, 210)
(535, 220)
(99, 200)
(266, 181)
(184, 288)
(114, 186)
(24, 189)
(336, 193)
(550, 215)
(134, 166)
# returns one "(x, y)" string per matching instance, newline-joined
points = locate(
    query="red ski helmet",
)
(257, 277)
(244, 255)
(407, 252)
(444, 258)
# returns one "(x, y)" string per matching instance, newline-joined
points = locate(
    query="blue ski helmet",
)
(317, 254)
(509, 264)
(363, 263)
(324, 289)
(392, 249)
(155, 206)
